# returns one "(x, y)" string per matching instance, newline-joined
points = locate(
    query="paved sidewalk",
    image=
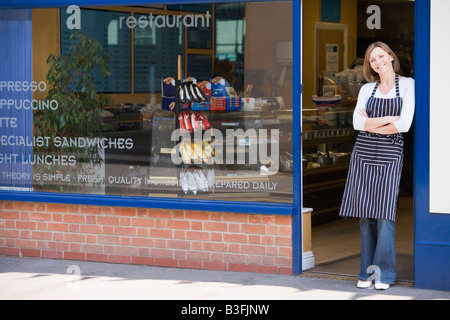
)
(28, 278)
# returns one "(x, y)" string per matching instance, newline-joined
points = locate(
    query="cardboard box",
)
(218, 89)
(168, 103)
(196, 106)
(225, 104)
(248, 104)
(233, 104)
(205, 86)
(217, 103)
(168, 89)
(190, 79)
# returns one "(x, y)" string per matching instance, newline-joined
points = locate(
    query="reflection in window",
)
(230, 39)
(113, 33)
(155, 55)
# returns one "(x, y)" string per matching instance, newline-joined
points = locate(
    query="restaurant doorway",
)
(335, 242)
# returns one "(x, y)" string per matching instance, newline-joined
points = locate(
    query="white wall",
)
(440, 107)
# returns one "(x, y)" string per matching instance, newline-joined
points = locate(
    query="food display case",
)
(126, 165)
(235, 177)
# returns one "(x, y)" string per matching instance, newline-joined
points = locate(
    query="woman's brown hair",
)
(369, 73)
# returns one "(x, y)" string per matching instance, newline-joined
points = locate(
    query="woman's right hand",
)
(392, 119)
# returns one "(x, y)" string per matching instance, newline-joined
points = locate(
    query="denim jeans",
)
(378, 250)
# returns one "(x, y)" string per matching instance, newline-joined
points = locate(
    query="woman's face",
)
(380, 60)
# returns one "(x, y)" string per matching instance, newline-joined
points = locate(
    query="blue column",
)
(16, 122)
(297, 226)
(431, 230)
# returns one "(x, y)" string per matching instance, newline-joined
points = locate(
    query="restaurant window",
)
(154, 101)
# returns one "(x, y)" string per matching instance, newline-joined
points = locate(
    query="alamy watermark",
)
(375, 272)
(374, 21)
(73, 280)
(74, 20)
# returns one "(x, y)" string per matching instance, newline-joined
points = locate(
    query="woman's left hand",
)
(363, 113)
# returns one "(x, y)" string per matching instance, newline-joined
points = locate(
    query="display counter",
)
(240, 176)
(327, 139)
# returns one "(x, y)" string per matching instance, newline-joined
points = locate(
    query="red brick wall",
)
(171, 238)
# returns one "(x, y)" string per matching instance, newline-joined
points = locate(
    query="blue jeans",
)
(378, 250)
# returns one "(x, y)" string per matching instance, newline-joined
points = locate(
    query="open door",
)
(328, 129)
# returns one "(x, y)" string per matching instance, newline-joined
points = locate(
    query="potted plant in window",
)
(74, 127)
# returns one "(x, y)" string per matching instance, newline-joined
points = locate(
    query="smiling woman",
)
(381, 63)
(375, 52)
(373, 182)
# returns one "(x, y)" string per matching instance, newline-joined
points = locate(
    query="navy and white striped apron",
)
(376, 164)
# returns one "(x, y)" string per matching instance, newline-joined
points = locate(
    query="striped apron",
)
(376, 164)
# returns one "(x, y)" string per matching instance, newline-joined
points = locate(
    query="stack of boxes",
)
(223, 97)
(220, 97)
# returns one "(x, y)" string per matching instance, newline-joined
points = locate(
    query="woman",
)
(384, 111)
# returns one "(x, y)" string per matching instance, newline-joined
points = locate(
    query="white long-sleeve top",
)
(407, 92)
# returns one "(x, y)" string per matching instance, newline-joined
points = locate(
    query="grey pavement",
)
(42, 279)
